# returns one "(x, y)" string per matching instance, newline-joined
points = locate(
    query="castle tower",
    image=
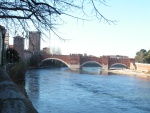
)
(46, 50)
(7, 40)
(34, 41)
(19, 46)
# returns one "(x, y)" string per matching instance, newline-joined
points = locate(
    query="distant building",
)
(34, 41)
(27, 54)
(19, 46)
(34, 46)
(7, 40)
(46, 50)
(85, 54)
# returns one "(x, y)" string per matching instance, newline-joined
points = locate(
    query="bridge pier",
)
(105, 67)
(74, 66)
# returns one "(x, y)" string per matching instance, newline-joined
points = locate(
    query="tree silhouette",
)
(43, 15)
(12, 55)
(143, 56)
(147, 57)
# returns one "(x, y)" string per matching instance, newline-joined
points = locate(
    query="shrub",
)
(17, 72)
(12, 55)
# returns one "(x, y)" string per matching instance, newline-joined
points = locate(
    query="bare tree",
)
(55, 50)
(44, 15)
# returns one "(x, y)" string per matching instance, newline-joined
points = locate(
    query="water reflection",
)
(60, 90)
(91, 71)
(33, 84)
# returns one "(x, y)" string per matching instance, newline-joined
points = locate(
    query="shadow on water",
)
(33, 84)
(61, 90)
(91, 71)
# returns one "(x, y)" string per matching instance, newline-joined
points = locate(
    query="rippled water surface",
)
(60, 90)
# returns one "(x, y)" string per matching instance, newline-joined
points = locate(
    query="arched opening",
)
(91, 64)
(53, 62)
(91, 67)
(117, 66)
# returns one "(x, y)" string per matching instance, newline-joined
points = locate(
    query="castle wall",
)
(34, 41)
(19, 46)
(27, 55)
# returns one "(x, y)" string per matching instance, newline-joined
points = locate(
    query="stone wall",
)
(34, 41)
(19, 46)
(27, 55)
(12, 100)
(140, 67)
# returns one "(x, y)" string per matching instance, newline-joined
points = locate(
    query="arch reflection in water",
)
(93, 68)
(64, 91)
(118, 66)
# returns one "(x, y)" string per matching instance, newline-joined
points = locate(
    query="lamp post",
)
(3, 40)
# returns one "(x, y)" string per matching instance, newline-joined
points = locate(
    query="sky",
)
(128, 35)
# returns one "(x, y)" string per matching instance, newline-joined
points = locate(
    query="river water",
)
(60, 90)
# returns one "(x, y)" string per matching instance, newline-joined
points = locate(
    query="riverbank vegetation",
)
(17, 71)
(143, 56)
(16, 67)
(12, 55)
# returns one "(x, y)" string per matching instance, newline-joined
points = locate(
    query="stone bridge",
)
(76, 61)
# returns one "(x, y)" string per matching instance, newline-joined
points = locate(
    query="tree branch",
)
(44, 14)
(45, 4)
(17, 17)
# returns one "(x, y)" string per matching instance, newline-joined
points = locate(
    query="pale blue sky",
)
(130, 34)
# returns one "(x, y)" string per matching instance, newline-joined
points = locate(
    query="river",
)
(60, 90)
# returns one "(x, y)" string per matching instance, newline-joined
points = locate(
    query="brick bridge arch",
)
(90, 62)
(76, 61)
(54, 59)
(120, 64)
